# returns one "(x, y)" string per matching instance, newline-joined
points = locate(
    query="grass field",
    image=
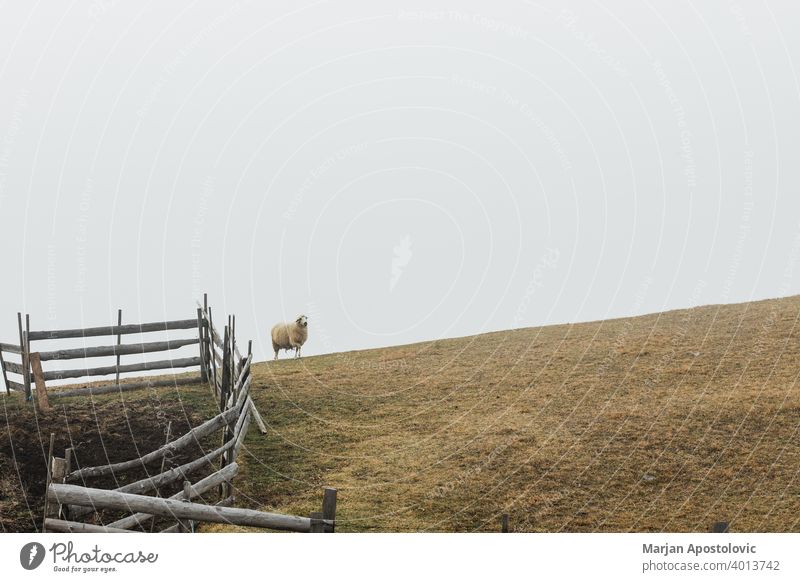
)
(666, 422)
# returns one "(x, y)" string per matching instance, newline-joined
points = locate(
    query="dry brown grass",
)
(666, 422)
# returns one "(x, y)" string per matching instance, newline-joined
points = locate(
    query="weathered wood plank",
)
(26, 364)
(10, 348)
(14, 367)
(198, 489)
(173, 447)
(102, 499)
(329, 509)
(23, 355)
(156, 481)
(61, 525)
(38, 378)
(99, 351)
(203, 367)
(119, 342)
(240, 436)
(111, 388)
(15, 385)
(259, 421)
(140, 367)
(113, 329)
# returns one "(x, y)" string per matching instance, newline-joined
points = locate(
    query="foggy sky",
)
(397, 174)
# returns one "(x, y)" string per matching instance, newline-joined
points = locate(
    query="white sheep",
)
(288, 336)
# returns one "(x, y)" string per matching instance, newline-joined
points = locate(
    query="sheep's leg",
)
(276, 354)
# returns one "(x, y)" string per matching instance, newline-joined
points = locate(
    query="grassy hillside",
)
(666, 422)
(659, 423)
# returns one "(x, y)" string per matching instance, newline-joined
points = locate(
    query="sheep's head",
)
(302, 321)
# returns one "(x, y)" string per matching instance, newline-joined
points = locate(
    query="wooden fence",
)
(67, 503)
(23, 361)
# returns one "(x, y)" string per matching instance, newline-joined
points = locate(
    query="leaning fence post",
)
(38, 377)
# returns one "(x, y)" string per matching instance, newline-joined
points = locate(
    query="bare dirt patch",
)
(103, 429)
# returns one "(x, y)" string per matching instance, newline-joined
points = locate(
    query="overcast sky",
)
(397, 174)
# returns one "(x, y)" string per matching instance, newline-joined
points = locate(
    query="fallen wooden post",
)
(102, 499)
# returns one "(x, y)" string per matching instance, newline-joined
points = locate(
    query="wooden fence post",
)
(227, 434)
(329, 509)
(119, 341)
(213, 351)
(23, 350)
(504, 523)
(41, 388)
(27, 336)
(201, 335)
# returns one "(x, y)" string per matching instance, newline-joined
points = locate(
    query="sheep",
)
(288, 336)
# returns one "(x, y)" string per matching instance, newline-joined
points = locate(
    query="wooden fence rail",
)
(173, 508)
(115, 350)
(190, 438)
(113, 330)
(22, 368)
